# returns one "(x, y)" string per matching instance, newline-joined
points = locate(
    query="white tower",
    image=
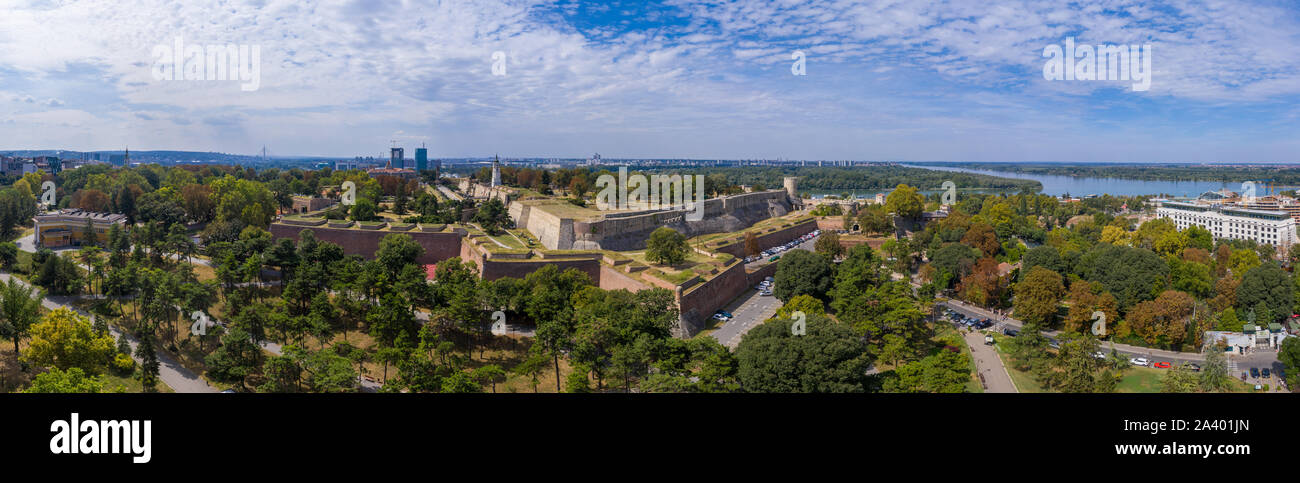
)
(496, 172)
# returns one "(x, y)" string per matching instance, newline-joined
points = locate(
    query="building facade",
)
(67, 228)
(421, 159)
(1275, 228)
(398, 158)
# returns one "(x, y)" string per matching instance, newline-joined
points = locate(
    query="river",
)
(1075, 186)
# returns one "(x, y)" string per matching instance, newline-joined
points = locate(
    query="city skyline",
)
(898, 81)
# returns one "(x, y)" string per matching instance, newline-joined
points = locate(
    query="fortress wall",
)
(519, 213)
(546, 227)
(699, 303)
(437, 246)
(731, 213)
(611, 279)
(772, 239)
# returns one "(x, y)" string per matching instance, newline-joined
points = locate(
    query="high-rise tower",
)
(398, 159)
(421, 158)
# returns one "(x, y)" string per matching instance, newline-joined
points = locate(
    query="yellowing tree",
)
(1114, 235)
(65, 340)
(905, 201)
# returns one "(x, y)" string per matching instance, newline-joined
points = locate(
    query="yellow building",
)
(68, 227)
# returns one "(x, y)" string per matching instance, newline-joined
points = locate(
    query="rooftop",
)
(76, 214)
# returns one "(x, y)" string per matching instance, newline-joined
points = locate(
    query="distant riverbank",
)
(1056, 185)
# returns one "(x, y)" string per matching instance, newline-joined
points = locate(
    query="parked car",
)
(1010, 332)
(1099, 355)
(766, 293)
(1254, 372)
(1264, 372)
(1161, 365)
(1194, 367)
(988, 340)
(1139, 361)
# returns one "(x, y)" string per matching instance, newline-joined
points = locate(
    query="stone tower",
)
(496, 172)
(792, 187)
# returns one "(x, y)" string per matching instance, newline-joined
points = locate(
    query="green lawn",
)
(1023, 381)
(1140, 379)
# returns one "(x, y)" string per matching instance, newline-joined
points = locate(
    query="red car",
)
(1161, 365)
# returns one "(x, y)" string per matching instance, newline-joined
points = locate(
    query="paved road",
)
(171, 372)
(1258, 358)
(749, 309)
(991, 372)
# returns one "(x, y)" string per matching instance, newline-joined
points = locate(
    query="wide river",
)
(1059, 185)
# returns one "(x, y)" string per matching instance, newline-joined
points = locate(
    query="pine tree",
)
(148, 374)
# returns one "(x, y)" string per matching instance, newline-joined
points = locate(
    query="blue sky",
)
(886, 80)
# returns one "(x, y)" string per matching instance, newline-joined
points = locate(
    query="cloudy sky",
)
(885, 80)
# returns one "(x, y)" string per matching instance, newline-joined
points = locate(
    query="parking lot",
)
(748, 310)
(773, 254)
(753, 307)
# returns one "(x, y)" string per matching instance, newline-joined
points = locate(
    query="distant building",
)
(389, 170)
(421, 159)
(68, 227)
(1275, 228)
(307, 204)
(398, 159)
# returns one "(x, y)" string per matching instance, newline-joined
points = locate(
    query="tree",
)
(905, 202)
(801, 272)
(826, 358)
(490, 374)
(71, 381)
(874, 219)
(1132, 275)
(149, 366)
(1179, 379)
(235, 359)
(943, 372)
(1038, 295)
(751, 245)
(1214, 372)
(1045, 256)
(8, 255)
(64, 339)
(982, 237)
(829, 244)
(492, 216)
(126, 204)
(1289, 355)
(532, 367)
(18, 310)
(666, 246)
(364, 210)
(1163, 321)
(807, 304)
(1266, 284)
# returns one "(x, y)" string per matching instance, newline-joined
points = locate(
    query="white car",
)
(1099, 355)
(1139, 361)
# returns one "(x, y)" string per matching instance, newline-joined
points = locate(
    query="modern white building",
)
(1275, 228)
